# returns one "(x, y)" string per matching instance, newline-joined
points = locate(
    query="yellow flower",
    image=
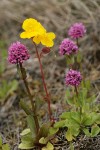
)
(46, 39)
(33, 29)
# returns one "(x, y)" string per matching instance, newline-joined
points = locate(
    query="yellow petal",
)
(47, 39)
(29, 24)
(23, 35)
(47, 42)
(51, 35)
(37, 39)
(28, 35)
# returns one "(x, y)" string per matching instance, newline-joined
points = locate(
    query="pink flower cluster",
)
(77, 30)
(73, 78)
(17, 53)
(67, 47)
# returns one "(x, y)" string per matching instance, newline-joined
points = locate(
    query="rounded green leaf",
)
(26, 146)
(43, 140)
(95, 130)
(49, 146)
(24, 132)
(5, 147)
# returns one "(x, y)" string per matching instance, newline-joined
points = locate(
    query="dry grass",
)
(56, 15)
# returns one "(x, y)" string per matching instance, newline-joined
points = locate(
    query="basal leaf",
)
(65, 115)
(0, 141)
(26, 131)
(59, 124)
(31, 124)
(53, 130)
(44, 130)
(26, 146)
(69, 135)
(43, 140)
(86, 131)
(95, 130)
(49, 146)
(5, 147)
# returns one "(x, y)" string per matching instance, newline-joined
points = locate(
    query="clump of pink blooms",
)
(67, 47)
(17, 53)
(77, 31)
(73, 78)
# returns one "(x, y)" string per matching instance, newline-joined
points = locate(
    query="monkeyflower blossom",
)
(17, 53)
(77, 30)
(73, 78)
(67, 47)
(33, 29)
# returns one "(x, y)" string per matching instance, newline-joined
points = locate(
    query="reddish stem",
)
(44, 83)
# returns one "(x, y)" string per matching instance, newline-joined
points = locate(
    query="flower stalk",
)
(80, 108)
(44, 83)
(30, 98)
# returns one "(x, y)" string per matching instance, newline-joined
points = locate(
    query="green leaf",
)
(71, 117)
(79, 57)
(7, 88)
(86, 119)
(44, 130)
(25, 107)
(13, 86)
(5, 147)
(53, 130)
(69, 61)
(48, 147)
(95, 117)
(95, 130)
(28, 139)
(86, 131)
(25, 132)
(59, 124)
(89, 119)
(65, 115)
(0, 141)
(43, 140)
(69, 98)
(25, 146)
(82, 97)
(87, 84)
(69, 135)
(31, 124)
(75, 130)
(76, 116)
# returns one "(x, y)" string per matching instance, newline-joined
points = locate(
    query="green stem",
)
(44, 83)
(80, 108)
(71, 146)
(30, 97)
(76, 91)
(77, 42)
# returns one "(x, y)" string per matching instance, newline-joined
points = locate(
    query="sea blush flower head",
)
(77, 30)
(67, 47)
(33, 29)
(17, 53)
(73, 78)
